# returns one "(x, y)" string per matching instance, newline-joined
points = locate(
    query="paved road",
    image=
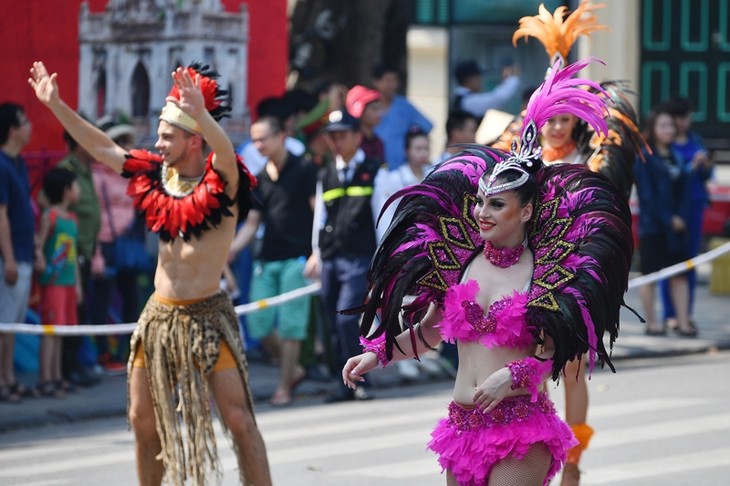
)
(661, 421)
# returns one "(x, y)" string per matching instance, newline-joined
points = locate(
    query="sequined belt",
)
(511, 409)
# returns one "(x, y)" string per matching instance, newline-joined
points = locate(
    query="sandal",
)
(23, 391)
(298, 380)
(48, 389)
(655, 331)
(65, 386)
(692, 332)
(8, 395)
(280, 400)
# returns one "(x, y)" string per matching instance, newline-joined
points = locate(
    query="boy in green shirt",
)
(60, 283)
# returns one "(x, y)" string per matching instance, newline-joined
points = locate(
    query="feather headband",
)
(212, 94)
(557, 32)
(559, 94)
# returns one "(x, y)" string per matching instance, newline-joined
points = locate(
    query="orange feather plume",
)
(557, 32)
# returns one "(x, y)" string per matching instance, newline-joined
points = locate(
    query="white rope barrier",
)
(278, 299)
(74, 330)
(127, 328)
(679, 267)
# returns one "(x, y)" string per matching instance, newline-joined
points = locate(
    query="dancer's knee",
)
(143, 423)
(241, 423)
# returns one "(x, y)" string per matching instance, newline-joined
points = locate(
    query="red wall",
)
(268, 48)
(32, 30)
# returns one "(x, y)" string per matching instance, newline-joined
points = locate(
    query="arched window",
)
(140, 91)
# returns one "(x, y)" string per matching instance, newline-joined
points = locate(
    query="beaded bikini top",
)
(503, 325)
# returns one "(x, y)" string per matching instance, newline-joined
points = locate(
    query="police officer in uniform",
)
(346, 238)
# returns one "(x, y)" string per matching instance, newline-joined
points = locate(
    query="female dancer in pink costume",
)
(501, 255)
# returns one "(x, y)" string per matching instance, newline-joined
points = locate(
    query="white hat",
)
(494, 123)
(120, 131)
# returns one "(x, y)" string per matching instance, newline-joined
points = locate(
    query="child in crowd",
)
(60, 282)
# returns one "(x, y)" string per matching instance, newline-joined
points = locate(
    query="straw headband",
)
(172, 114)
(213, 97)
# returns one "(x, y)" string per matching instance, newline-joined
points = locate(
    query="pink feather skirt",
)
(469, 442)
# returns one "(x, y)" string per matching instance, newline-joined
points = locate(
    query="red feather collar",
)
(172, 216)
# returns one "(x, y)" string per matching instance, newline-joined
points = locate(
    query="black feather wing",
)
(581, 238)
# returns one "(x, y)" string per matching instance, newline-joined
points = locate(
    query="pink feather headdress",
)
(559, 94)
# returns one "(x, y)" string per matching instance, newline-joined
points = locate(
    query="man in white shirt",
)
(468, 95)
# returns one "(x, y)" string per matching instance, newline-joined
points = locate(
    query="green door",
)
(685, 50)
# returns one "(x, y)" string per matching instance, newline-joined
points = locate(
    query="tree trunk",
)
(341, 40)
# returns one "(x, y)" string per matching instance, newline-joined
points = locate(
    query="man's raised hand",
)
(191, 97)
(45, 86)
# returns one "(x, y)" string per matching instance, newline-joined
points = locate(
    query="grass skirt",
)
(181, 345)
(470, 442)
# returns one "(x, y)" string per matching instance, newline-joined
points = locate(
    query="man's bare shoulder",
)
(229, 174)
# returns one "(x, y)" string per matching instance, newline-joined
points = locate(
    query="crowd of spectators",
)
(326, 163)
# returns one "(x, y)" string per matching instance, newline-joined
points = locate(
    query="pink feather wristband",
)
(529, 373)
(377, 346)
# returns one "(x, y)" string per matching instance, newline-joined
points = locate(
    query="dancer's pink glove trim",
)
(377, 346)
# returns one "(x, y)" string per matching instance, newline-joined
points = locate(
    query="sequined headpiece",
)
(524, 161)
(560, 93)
(212, 94)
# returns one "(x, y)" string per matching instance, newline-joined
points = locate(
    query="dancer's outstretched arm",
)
(96, 142)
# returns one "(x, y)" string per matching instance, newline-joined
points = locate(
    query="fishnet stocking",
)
(528, 471)
(451, 480)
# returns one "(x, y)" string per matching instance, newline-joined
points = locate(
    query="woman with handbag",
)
(114, 267)
(662, 184)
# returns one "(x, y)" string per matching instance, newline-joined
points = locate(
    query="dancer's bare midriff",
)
(188, 270)
(477, 363)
